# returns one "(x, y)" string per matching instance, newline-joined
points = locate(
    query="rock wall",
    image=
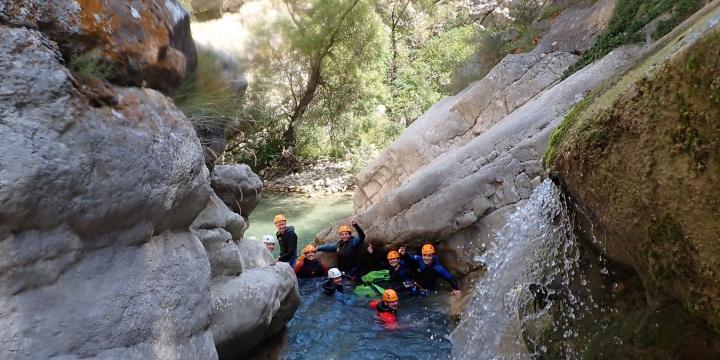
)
(642, 160)
(112, 242)
(145, 43)
(453, 122)
(252, 298)
(97, 259)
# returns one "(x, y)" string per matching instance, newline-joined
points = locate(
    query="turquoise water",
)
(308, 215)
(327, 328)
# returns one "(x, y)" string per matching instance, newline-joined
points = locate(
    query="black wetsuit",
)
(288, 245)
(329, 287)
(348, 253)
(309, 268)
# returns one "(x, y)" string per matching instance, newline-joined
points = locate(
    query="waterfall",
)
(533, 287)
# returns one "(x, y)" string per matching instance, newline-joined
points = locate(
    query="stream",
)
(327, 328)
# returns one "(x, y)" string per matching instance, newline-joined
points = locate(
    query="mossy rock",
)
(642, 156)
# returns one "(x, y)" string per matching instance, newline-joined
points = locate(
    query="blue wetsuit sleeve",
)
(327, 247)
(414, 258)
(360, 238)
(446, 275)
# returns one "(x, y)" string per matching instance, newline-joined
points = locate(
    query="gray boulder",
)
(252, 298)
(96, 258)
(238, 187)
(146, 43)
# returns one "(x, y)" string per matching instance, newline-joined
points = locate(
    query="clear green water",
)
(308, 215)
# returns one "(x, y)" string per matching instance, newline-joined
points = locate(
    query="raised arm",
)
(327, 247)
(361, 235)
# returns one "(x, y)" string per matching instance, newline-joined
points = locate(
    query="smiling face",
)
(392, 304)
(345, 236)
(270, 246)
(281, 225)
(427, 258)
(394, 262)
(337, 280)
(310, 255)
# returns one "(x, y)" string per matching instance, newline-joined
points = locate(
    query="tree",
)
(313, 62)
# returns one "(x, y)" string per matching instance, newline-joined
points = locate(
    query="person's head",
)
(280, 223)
(269, 242)
(345, 232)
(309, 252)
(428, 251)
(335, 275)
(393, 258)
(390, 298)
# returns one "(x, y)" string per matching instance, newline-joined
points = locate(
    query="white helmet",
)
(268, 239)
(334, 273)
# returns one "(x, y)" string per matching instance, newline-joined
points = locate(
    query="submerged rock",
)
(97, 259)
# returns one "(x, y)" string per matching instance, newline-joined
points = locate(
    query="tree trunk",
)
(289, 137)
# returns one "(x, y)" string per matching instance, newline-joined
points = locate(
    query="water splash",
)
(527, 292)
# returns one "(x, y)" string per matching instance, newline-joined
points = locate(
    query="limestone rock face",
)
(96, 259)
(146, 43)
(252, 297)
(643, 162)
(458, 119)
(238, 187)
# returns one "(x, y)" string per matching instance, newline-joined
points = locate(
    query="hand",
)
(370, 248)
(401, 251)
(353, 220)
(456, 292)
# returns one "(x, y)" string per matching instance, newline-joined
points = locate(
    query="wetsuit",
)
(329, 287)
(309, 268)
(288, 245)
(348, 253)
(401, 278)
(427, 274)
(387, 315)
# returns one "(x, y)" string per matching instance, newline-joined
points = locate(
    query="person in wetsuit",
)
(387, 308)
(400, 272)
(307, 266)
(334, 283)
(287, 239)
(429, 269)
(348, 250)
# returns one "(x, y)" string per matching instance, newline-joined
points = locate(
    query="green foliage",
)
(206, 98)
(89, 65)
(628, 21)
(430, 75)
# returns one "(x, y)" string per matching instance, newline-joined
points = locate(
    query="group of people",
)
(414, 275)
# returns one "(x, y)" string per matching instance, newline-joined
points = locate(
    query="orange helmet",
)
(428, 249)
(308, 248)
(278, 218)
(344, 228)
(393, 255)
(390, 295)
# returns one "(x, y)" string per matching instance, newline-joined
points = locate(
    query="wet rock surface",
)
(641, 159)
